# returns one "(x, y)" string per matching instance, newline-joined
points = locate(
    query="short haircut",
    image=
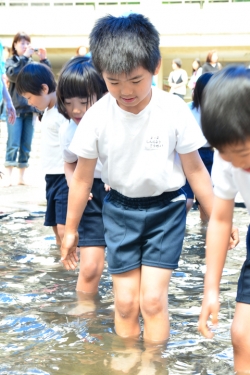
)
(199, 88)
(225, 110)
(178, 62)
(31, 78)
(122, 44)
(79, 79)
(19, 36)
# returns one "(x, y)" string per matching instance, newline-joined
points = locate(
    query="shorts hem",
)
(90, 243)
(47, 224)
(124, 269)
(243, 298)
(160, 265)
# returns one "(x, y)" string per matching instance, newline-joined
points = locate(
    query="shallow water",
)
(40, 332)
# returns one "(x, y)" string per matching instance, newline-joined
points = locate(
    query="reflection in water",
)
(46, 328)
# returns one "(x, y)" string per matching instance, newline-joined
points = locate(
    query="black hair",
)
(199, 87)
(122, 44)
(31, 78)
(178, 62)
(79, 79)
(225, 110)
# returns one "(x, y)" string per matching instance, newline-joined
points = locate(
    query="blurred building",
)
(188, 28)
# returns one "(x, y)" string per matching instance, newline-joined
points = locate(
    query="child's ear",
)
(45, 89)
(157, 68)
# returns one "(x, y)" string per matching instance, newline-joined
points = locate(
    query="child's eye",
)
(114, 83)
(137, 82)
(84, 103)
(67, 103)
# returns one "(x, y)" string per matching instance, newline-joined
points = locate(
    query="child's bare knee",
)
(127, 306)
(151, 305)
(90, 271)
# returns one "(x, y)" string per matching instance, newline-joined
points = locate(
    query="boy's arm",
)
(80, 188)
(219, 230)
(69, 169)
(199, 180)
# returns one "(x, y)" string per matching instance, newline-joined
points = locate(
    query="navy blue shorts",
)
(207, 156)
(91, 229)
(243, 292)
(57, 199)
(143, 231)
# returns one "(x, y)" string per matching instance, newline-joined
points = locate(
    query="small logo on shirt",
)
(153, 143)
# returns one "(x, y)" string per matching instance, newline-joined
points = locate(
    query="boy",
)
(145, 138)
(226, 125)
(36, 83)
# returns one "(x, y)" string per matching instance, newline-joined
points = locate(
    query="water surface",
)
(44, 330)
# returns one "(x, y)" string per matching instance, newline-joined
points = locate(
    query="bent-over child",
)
(225, 118)
(147, 140)
(79, 87)
(36, 83)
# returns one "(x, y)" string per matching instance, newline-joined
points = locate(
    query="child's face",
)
(133, 91)
(41, 102)
(238, 154)
(77, 107)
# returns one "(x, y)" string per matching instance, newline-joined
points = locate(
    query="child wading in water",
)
(225, 119)
(36, 83)
(147, 141)
(79, 87)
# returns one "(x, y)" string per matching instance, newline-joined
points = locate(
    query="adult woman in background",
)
(20, 135)
(177, 79)
(211, 65)
(196, 73)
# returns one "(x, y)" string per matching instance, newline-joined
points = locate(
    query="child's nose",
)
(76, 110)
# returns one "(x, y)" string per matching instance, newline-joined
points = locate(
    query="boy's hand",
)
(69, 257)
(234, 238)
(210, 306)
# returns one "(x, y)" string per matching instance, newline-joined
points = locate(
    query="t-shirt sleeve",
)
(189, 136)
(84, 142)
(66, 134)
(222, 177)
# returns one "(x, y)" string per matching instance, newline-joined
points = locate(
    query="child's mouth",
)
(128, 100)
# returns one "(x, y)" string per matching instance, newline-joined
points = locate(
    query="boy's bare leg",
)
(240, 332)
(127, 291)
(154, 302)
(58, 239)
(91, 267)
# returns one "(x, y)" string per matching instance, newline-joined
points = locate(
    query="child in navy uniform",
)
(79, 87)
(36, 83)
(147, 140)
(225, 119)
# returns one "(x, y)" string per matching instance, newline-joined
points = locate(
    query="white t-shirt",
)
(67, 132)
(139, 152)
(173, 78)
(51, 155)
(228, 180)
(197, 115)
